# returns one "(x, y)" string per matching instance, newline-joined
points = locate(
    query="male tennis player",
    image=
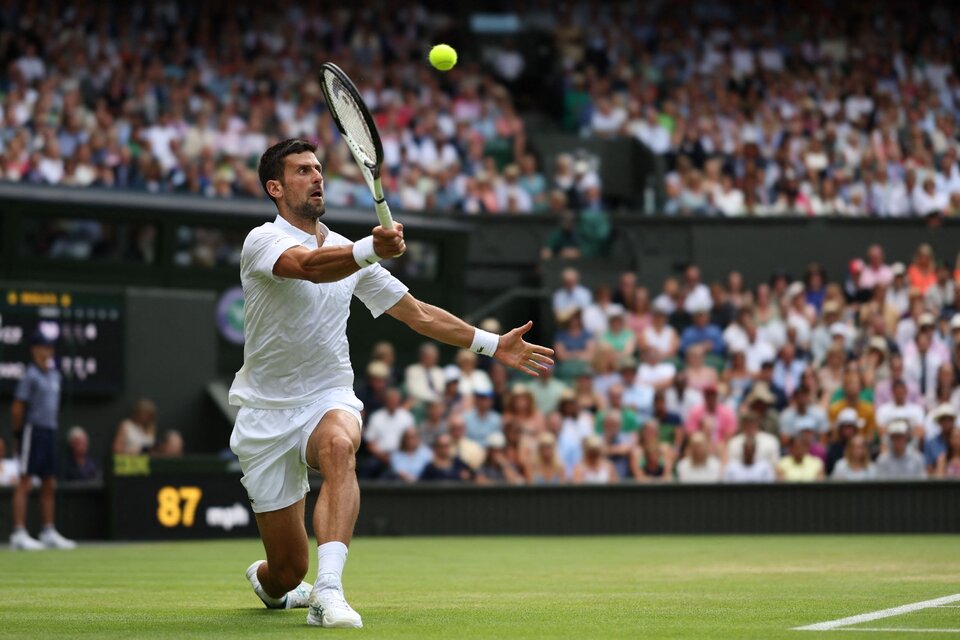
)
(295, 389)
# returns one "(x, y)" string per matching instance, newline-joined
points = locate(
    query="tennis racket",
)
(358, 130)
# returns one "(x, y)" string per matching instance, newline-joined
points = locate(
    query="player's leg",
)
(279, 580)
(331, 449)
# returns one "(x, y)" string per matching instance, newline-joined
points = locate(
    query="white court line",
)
(900, 629)
(876, 615)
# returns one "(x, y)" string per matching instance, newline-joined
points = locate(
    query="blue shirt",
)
(479, 427)
(411, 463)
(694, 335)
(41, 392)
(933, 447)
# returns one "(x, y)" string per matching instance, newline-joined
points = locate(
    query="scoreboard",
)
(86, 325)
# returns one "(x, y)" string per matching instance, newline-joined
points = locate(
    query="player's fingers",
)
(536, 366)
(399, 228)
(523, 329)
(538, 357)
(528, 371)
(547, 351)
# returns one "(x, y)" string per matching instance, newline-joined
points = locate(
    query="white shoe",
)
(295, 599)
(21, 540)
(328, 608)
(52, 539)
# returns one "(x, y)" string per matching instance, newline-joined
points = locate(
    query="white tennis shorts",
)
(271, 445)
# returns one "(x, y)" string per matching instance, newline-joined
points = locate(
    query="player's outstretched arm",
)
(329, 264)
(510, 348)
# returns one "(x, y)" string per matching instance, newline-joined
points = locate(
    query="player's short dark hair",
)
(271, 162)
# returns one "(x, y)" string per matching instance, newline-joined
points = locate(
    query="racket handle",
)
(383, 212)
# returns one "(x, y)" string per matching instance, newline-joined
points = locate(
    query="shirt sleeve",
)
(24, 387)
(378, 289)
(262, 249)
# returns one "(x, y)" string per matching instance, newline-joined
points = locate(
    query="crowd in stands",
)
(136, 435)
(776, 108)
(795, 379)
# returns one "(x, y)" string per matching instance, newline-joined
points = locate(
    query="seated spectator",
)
(384, 352)
(496, 469)
(848, 425)
(788, 369)
(921, 274)
(571, 294)
(619, 338)
(409, 460)
(749, 467)
(595, 468)
(546, 391)
(699, 374)
(372, 391)
(702, 334)
(446, 466)
(712, 418)
(517, 449)
(766, 446)
(668, 424)
(681, 398)
(468, 450)
(9, 467)
(637, 396)
(736, 379)
(471, 378)
(606, 373)
(655, 372)
(651, 463)
(855, 463)
(803, 414)
(170, 446)
(945, 416)
(698, 465)
(137, 434)
(385, 428)
(434, 422)
(596, 314)
(659, 336)
(798, 465)
(618, 444)
(760, 400)
(901, 461)
(900, 409)
(629, 421)
(482, 419)
(424, 380)
(546, 467)
(79, 464)
(852, 398)
(948, 462)
(521, 409)
(574, 345)
(588, 398)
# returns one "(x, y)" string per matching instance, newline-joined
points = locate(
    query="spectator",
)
(621, 339)
(698, 465)
(79, 464)
(482, 419)
(855, 463)
(803, 414)
(651, 463)
(372, 393)
(766, 446)
(713, 419)
(574, 346)
(900, 461)
(875, 271)
(653, 372)
(668, 424)
(702, 334)
(680, 398)
(9, 467)
(546, 467)
(848, 425)
(517, 450)
(660, 337)
(798, 465)
(945, 417)
(749, 467)
(496, 469)
(137, 434)
(521, 409)
(699, 374)
(424, 381)
(596, 314)
(948, 462)
(899, 409)
(595, 467)
(922, 272)
(170, 445)
(852, 398)
(571, 294)
(760, 400)
(446, 466)
(466, 449)
(546, 391)
(564, 241)
(385, 428)
(922, 358)
(637, 397)
(412, 456)
(470, 377)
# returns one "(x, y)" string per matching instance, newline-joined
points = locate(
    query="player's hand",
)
(388, 243)
(515, 352)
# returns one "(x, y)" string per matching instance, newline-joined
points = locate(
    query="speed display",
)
(86, 325)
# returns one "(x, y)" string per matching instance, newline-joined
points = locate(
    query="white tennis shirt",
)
(295, 331)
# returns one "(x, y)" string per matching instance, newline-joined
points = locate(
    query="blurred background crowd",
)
(754, 108)
(800, 378)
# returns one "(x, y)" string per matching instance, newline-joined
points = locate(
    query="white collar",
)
(300, 234)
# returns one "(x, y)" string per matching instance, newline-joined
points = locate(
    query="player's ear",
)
(275, 189)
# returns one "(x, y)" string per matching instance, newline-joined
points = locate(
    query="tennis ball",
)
(443, 57)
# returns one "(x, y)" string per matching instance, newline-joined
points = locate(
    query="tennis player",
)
(295, 389)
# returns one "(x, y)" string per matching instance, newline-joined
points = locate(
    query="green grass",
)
(603, 587)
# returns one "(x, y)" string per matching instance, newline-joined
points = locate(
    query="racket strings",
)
(348, 113)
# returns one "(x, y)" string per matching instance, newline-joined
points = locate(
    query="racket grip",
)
(383, 213)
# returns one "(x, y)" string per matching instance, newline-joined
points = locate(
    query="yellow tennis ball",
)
(443, 57)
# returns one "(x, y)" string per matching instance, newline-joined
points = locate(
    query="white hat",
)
(615, 309)
(898, 269)
(451, 372)
(955, 322)
(496, 440)
(850, 416)
(943, 411)
(840, 329)
(663, 304)
(795, 290)
(898, 428)
(926, 320)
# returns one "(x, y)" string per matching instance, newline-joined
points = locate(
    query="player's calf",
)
(295, 598)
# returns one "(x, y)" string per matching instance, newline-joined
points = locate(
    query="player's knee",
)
(289, 575)
(339, 452)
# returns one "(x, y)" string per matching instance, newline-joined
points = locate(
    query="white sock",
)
(48, 527)
(331, 556)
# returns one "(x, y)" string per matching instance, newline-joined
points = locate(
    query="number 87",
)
(169, 512)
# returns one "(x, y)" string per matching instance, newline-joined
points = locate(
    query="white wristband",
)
(364, 254)
(484, 342)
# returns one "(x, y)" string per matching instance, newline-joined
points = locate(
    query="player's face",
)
(303, 185)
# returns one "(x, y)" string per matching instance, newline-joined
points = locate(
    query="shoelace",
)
(338, 599)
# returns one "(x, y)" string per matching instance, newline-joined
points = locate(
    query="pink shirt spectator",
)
(724, 422)
(870, 277)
